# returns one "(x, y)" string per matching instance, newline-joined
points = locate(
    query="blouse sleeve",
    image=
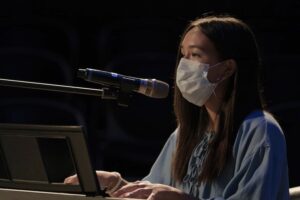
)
(260, 163)
(161, 169)
(260, 169)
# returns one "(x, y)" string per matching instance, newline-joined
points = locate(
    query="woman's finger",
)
(127, 188)
(72, 180)
(140, 193)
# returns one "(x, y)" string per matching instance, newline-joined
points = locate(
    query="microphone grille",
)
(160, 89)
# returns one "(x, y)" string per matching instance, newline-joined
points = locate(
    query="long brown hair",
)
(233, 39)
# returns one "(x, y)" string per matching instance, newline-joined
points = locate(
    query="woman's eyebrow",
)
(197, 47)
(194, 46)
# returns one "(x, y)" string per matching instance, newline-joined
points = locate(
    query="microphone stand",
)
(104, 93)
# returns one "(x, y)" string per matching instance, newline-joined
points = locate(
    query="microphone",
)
(149, 87)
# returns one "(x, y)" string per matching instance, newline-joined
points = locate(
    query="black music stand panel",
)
(40, 157)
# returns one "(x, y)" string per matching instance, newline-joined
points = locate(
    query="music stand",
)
(39, 157)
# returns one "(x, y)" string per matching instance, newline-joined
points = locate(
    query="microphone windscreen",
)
(160, 89)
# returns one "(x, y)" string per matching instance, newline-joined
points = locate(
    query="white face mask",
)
(192, 81)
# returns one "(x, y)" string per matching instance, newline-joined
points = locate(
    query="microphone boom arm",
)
(104, 93)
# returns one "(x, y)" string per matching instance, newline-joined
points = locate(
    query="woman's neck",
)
(213, 120)
(213, 106)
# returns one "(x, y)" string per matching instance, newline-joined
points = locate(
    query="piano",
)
(13, 194)
(35, 159)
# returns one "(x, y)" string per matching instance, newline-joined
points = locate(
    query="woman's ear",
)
(230, 68)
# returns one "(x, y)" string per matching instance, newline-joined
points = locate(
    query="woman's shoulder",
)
(258, 129)
(173, 137)
(262, 121)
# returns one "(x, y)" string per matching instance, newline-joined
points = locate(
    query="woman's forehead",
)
(195, 38)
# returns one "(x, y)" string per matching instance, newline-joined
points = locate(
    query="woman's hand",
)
(72, 180)
(111, 181)
(146, 190)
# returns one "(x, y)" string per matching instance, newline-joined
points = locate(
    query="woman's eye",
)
(196, 55)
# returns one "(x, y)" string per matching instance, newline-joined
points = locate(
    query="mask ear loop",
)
(213, 92)
(218, 80)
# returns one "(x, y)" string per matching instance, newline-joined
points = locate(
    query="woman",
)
(226, 146)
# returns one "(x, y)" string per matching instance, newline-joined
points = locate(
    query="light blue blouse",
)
(258, 169)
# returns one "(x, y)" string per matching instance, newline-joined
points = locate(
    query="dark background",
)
(47, 41)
